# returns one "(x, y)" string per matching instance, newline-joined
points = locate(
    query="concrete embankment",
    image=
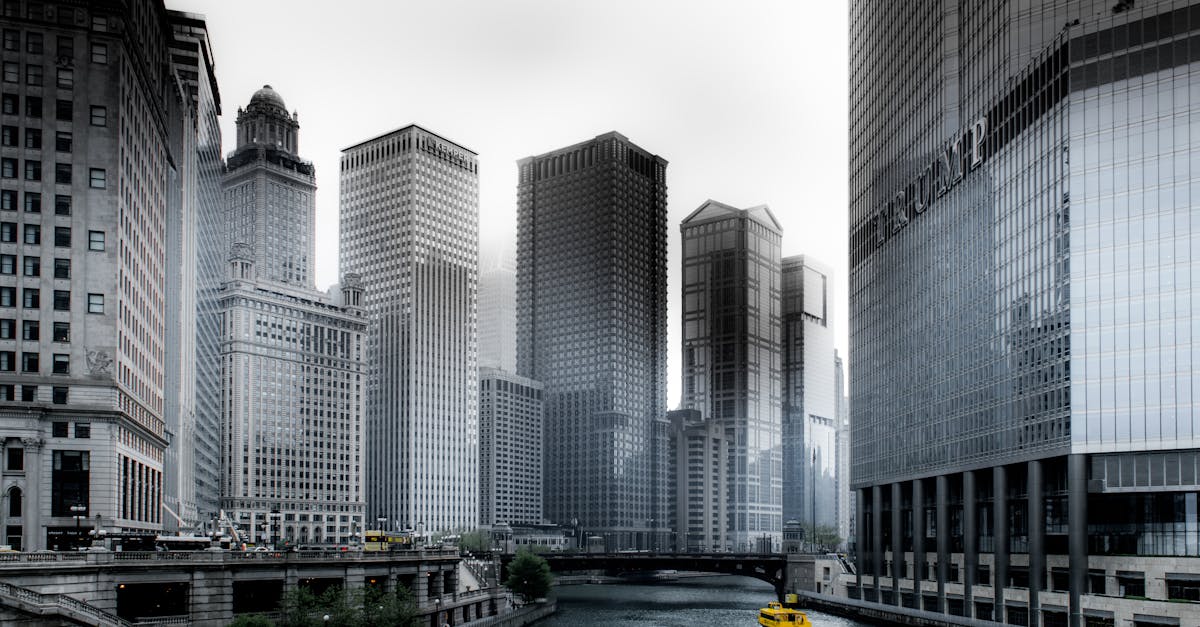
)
(884, 615)
(520, 617)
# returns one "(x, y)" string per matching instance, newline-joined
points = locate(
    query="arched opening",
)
(14, 502)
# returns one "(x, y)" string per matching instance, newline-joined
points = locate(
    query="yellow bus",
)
(374, 540)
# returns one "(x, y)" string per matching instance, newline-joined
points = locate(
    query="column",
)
(943, 538)
(970, 543)
(877, 536)
(919, 548)
(1000, 534)
(897, 545)
(860, 538)
(1077, 538)
(37, 482)
(1037, 540)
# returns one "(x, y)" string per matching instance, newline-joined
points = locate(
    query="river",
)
(694, 602)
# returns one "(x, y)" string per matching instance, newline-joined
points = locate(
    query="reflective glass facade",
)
(591, 326)
(1023, 300)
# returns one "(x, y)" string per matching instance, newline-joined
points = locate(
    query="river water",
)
(693, 602)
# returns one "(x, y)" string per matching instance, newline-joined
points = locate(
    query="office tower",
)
(1023, 309)
(510, 449)
(195, 269)
(731, 373)
(591, 326)
(292, 358)
(410, 228)
(498, 312)
(270, 192)
(86, 175)
(809, 396)
(843, 496)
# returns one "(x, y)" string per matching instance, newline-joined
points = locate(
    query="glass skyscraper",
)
(591, 326)
(1024, 258)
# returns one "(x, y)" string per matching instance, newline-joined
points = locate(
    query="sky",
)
(746, 101)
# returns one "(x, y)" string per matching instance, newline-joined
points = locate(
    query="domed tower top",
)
(265, 121)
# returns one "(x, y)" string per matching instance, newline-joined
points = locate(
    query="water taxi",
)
(776, 615)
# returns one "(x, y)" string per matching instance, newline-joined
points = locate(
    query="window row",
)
(31, 362)
(97, 177)
(58, 394)
(31, 298)
(33, 202)
(64, 110)
(10, 137)
(32, 266)
(31, 330)
(32, 235)
(65, 48)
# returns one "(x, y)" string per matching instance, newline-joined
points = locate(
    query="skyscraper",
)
(843, 496)
(732, 375)
(89, 103)
(1023, 263)
(292, 358)
(270, 201)
(591, 326)
(510, 449)
(498, 313)
(809, 394)
(195, 270)
(410, 228)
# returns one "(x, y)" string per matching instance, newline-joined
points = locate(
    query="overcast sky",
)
(746, 101)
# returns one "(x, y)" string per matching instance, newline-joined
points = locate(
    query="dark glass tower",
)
(591, 325)
(1024, 257)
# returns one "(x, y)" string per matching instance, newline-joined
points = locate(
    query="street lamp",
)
(79, 511)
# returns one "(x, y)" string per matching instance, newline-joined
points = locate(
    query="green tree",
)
(251, 620)
(478, 541)
(529, 576)
(360, 607)
(826, 536)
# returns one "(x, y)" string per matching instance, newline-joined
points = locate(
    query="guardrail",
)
(105, 557)
(61, 602)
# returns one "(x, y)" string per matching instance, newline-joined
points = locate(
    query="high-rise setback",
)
(591, 326)
(410, 229)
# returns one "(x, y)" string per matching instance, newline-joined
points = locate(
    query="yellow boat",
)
(776, 615)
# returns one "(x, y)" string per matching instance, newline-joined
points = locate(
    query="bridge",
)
(785, 572)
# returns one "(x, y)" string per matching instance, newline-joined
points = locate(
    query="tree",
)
(478, 541)
(251, 620)
(360, 607)
(826, 536)
(529, 576)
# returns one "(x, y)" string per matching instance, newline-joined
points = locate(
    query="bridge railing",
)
(32, 597)
(106, 557)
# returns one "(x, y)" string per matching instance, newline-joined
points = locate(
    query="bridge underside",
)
(768, 568)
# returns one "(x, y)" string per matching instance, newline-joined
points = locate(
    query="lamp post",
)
(814, 500)
(79, 512)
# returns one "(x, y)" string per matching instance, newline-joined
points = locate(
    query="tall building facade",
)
(410, 228)
(195, 270)
(270, 192)
(510, 449)
(89, 104)
(1023, 309)
(809, 394)
(843, 496)
(732, 376)
(498, 312)
(591, 326)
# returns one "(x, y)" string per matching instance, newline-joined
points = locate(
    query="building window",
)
(9, 104)
(97, 178)
(64, 110)
(99, 116)
(62, 268)
(100, 53)
(33, 202)
(12, 40)
(62, 300)
(8, 232)
(12, 72)
(68, 481)
(62, 236)
(62, 205)
(14, 502)
(8, 136)
(58, 395)
(30, 362)
(33, 138)
(62, 364)
(33, 43)
(65, 78)
(33, 75)
(96, 303)
(8, 329)
(8, 297)
(30, 330)
(33, 107)
(62, 332)
(8, 200)
(99, 23)
(32, 298)
(33, 170)
(8, 168)
(33, 234)
(62, 143)
(8, 361)
(8, 264)
(6, 392)
(95, 240)
(1131, 584)
(28, 393)
(33, 265)
(62, 173)
(16, 459)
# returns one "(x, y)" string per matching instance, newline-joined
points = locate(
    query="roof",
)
(713, 210)
(405, 128)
